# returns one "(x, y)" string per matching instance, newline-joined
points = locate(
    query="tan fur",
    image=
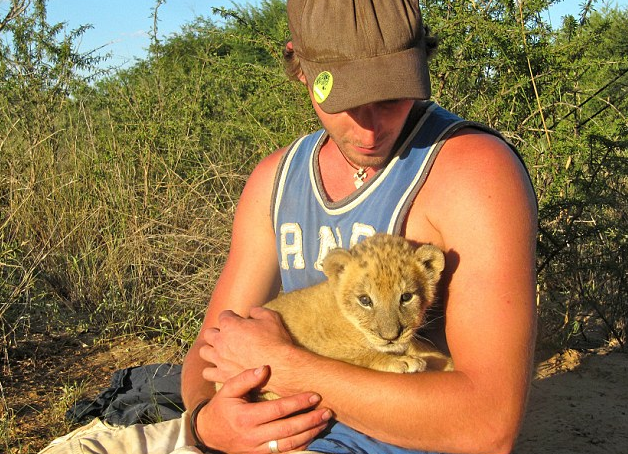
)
(357, 315)
(367, 311)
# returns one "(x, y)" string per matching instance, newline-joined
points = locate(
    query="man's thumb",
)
(243, 383)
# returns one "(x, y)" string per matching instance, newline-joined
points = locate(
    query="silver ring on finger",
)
(273, 446)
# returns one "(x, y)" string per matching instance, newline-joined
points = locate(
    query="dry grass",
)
(91, 247)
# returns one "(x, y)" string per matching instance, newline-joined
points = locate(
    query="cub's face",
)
(383, 286)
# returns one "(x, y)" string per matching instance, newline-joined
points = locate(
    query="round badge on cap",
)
(322, 86)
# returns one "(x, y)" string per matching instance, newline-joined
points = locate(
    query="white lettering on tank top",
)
(295, 248)
(328, 239)
(326, 242)
(359, 232)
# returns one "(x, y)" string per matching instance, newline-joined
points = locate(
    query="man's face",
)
(366, 134)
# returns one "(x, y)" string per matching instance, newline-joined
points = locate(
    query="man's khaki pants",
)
(97, 437)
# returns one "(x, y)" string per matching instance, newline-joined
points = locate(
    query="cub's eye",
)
(406, 297)
(365, 301)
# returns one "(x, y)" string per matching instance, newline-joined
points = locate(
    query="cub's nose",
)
(390, 333)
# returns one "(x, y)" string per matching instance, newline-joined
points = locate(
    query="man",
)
(387, 160)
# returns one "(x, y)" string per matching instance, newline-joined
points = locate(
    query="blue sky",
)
(121, 27)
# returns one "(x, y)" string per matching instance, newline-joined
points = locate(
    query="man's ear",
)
(335, 262)
(290, 50)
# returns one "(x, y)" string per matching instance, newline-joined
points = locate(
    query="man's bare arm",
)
(250, 278)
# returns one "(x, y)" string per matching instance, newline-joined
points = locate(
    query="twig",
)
(604, 87)
(536, 92)
(17, 8)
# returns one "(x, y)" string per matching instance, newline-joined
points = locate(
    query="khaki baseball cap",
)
(360, 51)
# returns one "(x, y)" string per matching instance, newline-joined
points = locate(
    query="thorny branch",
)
(17, 8)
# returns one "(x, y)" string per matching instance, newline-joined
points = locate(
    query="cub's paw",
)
(406, 364)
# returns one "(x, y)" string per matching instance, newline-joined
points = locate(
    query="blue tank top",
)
(307, 225)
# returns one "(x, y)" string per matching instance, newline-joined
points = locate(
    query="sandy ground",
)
(578, 404)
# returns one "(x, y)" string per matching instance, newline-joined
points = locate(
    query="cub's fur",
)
(367, 311)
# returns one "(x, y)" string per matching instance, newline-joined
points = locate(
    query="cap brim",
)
(401, 75)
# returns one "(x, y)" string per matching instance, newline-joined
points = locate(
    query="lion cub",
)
(368, 309)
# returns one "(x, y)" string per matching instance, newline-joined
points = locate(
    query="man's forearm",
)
(194, 388)
(439, 411)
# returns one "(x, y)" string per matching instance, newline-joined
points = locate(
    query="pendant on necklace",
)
(359, 177)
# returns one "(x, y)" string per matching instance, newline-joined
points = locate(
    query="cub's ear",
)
(335, 261)
(432, 258)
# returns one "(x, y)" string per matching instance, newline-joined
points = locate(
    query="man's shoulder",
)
(478, 148)
(476, 168)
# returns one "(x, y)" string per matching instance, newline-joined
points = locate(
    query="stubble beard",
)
(364, 161)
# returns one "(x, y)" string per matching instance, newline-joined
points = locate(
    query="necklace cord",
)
(361, 172)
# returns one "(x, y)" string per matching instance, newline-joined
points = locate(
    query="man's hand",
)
(230, 423)
(241, 343)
